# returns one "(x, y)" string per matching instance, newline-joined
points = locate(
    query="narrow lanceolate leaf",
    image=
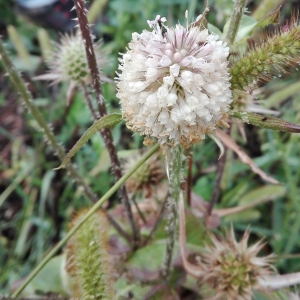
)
(104, 122)
(267, 122)
(251, 199)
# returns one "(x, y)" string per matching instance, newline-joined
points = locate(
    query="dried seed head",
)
(174, 83)
(233, 269)
(147, 177)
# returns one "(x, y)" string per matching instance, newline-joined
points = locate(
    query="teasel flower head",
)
(68, 63)
(147, 177)
(173, 83)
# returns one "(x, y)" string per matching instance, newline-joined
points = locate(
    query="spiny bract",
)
(233, 269)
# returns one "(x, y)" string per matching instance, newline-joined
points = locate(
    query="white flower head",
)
(174, 83)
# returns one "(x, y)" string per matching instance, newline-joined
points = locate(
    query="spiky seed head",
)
(174, 83)
(68, 63)
(232, 268)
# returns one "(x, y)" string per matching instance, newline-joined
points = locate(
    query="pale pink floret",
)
(174, 83)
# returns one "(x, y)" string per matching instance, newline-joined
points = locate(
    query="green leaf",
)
(266, 122)
(272, 18)
(106, 121)
(282, 93)
(213, 29)
(31, 65)
(246, 26)
(248, 215)
(150, 257)
(262, 194)
(124, 288)
(53, 278)
(232, 196)
(283, 294)
(102, 164)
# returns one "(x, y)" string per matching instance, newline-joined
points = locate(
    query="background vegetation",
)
(37, 203)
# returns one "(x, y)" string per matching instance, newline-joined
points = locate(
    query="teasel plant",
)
(177, 86)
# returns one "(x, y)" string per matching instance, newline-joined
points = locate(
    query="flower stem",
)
(189, 178)
(94, 208)
(89, 101)
(106, 133)
(267, 122)
(238, 10)
(175, 166)
(95, 118)
(141, 215)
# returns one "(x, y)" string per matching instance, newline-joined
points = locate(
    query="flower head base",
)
(233, 269)
(174, 83)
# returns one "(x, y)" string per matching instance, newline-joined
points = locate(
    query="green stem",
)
(96, 206)
(175, 167)
(266, 122)
(238, 10)
(105, 132)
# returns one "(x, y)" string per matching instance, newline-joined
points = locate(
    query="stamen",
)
(187, 19)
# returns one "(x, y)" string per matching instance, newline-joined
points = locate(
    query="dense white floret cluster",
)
(174, 83)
